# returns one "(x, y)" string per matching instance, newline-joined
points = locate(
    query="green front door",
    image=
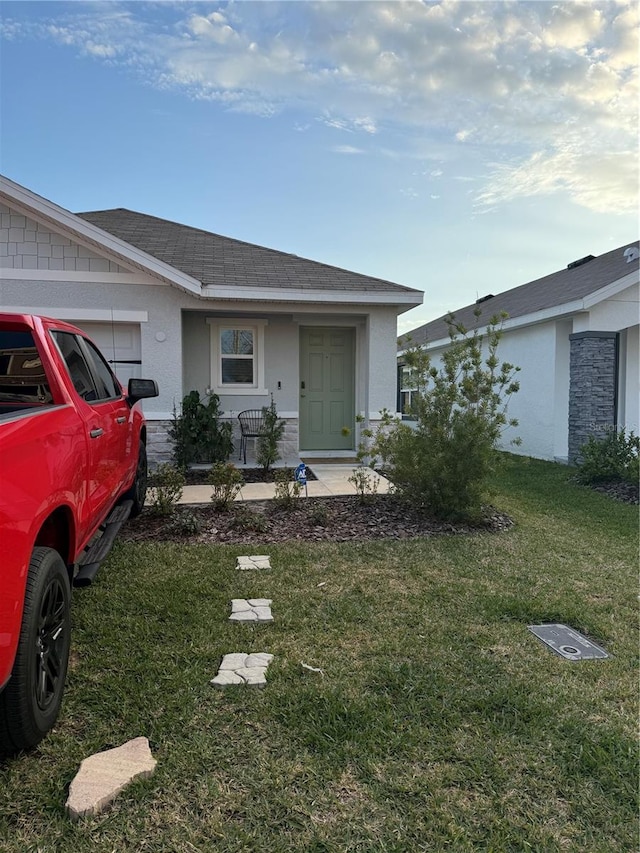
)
(327, 406)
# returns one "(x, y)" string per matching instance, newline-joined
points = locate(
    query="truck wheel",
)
(138, 492)
(31, 700)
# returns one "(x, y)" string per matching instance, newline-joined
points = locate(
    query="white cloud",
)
(346, 149)
(550, 90)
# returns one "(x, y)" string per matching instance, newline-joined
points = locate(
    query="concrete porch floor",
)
(332, 479)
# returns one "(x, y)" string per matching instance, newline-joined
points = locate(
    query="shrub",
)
(249, 519)
(165, 486)
(227, 482)
(373, 448)
(184, 522)
(365, 483)
(461, 412)
(287, 488)
(614, 457)
(267, 449)
(198, 433)
(319, 514)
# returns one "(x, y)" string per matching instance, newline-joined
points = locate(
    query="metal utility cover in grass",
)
(567, 643)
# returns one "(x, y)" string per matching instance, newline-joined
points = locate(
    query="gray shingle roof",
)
(550, 291)
(223, 261)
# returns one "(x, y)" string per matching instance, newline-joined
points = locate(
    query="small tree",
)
(272, 431)
(198, 432)
(461, 411)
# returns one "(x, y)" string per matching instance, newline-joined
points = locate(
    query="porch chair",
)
(251, 426)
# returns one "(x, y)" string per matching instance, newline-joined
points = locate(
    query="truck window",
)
(108, 385)
(76, 365)
(89, 372)
(23, 381)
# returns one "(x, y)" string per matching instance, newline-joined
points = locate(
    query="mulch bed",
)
(335, 519)
(619, 490)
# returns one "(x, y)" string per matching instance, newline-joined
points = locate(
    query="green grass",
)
(440, 724)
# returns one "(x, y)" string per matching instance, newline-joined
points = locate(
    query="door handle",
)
(302, 385)
(121, 419)
(96, 433)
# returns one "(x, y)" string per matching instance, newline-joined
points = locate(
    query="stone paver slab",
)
(102, 776)
(233, 661)
(243, 610)
(240, 668)
(258, 561)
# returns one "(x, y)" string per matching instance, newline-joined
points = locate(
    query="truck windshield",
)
(23, 382)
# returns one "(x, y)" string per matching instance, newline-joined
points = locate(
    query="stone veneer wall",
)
(160, 445)
(593, 382)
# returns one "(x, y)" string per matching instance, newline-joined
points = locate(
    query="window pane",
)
(77, 366)
(237, 371)
(236, 342)
(22, 376)
(109, 387)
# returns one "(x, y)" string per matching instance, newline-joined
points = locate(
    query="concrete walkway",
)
(332, 479)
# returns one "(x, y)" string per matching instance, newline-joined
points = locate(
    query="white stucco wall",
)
(539, 401)
(629, 392)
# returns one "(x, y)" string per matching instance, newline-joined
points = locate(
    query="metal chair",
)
(251, 426)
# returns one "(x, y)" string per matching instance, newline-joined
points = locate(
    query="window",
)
(89, 372)
(22, 376)
(237, 356)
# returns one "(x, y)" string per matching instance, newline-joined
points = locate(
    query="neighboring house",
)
(198, 311)
(574, 334)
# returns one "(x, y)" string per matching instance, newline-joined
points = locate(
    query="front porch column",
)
(593, 387)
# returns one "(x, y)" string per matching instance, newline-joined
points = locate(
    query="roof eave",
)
(275, 294)
(82, 230)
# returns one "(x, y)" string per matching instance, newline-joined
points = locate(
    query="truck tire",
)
(138, 491)
(30, 702)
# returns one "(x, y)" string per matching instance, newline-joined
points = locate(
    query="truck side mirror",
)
(141, 389)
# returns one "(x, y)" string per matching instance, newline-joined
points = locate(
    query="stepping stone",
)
(251, 610)
(102, 776)
(239, 668)
(258, 561)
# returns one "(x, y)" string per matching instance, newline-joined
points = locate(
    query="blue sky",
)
(458, 148)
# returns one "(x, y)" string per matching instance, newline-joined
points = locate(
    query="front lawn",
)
(440, 722)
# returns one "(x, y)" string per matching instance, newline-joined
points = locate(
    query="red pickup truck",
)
(73, 468)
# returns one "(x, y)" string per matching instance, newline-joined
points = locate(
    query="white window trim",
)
(257, 327)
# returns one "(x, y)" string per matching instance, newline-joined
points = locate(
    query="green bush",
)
(227, 482)
(184, 522)
(245, 519)
(165, 486)
(198, 433)
(267, 449)
(461, 411)
(287, 488)
(365, 483)
(614, 457)
(319, 514)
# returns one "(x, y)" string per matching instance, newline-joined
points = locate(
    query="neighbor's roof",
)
(223, 261)
(553, 290)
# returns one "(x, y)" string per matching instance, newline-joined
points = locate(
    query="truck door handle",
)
(96, 433)
(121, 419)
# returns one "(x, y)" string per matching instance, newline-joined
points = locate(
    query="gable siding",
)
(26, 244)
